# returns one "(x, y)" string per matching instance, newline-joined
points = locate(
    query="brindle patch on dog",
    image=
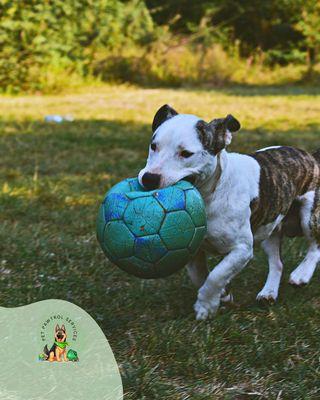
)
(285, 173)
(212, 135)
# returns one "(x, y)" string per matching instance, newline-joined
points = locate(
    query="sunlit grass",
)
(52, 178)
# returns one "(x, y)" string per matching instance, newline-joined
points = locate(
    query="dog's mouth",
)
(189, 178)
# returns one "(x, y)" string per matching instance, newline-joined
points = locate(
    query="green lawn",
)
(52, 178)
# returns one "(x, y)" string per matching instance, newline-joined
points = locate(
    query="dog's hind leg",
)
(310, 222)
(271, 246)
(303, 273)
(198, 269)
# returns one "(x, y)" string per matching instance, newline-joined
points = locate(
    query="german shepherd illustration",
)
(58, 351)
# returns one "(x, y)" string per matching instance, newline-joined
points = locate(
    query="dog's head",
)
(184, 147)
(60, 334)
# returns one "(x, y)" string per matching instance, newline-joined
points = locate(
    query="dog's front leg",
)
(210, 292)
(198, 269)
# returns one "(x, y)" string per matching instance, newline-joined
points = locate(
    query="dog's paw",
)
(205, 309)
(298, 280)
(267, 295)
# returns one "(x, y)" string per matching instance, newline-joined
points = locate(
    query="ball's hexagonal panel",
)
(172, 262)
(135, 185)
(100, 223)
(149, 248)
(118, 240)
(196, 212)
(184, 185)
(171, 198)
(177, 230)
(144, 216)
(137, 267)
(114, 206)
(121, 187)
(197, 239)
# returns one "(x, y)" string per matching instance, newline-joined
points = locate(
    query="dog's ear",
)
(163, 114)
(232, 124)
(217, 135)
(57, 327)
(63, 328)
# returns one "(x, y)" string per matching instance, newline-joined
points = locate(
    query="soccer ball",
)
(151, 234)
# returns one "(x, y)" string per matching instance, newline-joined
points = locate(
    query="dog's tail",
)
(316, 155)
(46, 351)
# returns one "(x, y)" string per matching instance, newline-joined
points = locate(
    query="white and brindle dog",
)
(249, 198)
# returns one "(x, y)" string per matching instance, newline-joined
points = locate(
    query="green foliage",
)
(35, 36)
(48, 45)
(309, 25)
(256, 25)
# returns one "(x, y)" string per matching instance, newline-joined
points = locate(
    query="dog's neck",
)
(217, 178)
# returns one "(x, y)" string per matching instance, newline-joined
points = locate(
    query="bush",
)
(49, 45)
(38, 36)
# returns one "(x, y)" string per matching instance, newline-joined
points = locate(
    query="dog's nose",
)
(151, 181)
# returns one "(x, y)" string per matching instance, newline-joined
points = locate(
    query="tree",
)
(309, 25)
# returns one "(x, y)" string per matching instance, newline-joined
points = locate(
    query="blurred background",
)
(50, 45)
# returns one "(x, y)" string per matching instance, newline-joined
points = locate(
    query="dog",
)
(249, 199)
(58, 351)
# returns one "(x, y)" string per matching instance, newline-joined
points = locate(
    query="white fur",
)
(228, 207)
(269, 148)
(303, 273)
(229, 230)
(228, 137)
(271, 246)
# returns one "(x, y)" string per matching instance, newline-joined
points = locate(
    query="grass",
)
(52, 178)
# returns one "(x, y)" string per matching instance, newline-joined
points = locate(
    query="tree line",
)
(112, 39)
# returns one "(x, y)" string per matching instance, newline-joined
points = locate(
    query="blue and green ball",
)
(151, 234)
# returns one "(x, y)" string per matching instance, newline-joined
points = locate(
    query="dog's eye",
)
(153, 146)
(186, 154)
